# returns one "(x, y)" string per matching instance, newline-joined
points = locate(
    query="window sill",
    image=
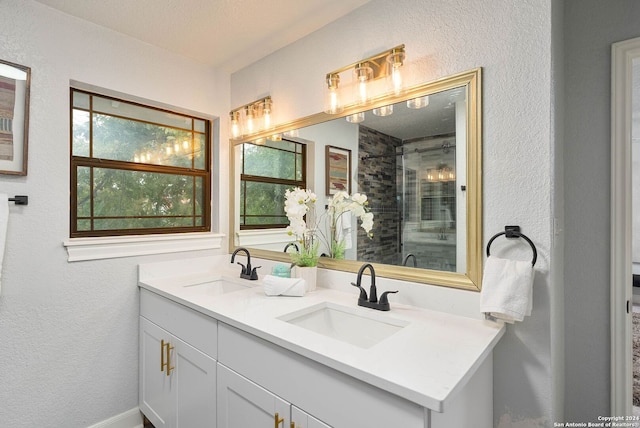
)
(80, 249)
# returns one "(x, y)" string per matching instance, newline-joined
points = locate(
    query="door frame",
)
(622, 56)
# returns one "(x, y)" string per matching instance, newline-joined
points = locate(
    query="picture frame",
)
(15, 83)
(337, 170)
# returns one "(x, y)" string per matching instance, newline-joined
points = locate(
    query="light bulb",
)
(266, 113)
(363, 74)
(235, 125)
(395, 60)
(250, 126)
(332, 103)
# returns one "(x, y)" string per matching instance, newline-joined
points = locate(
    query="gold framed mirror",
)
(434, 219)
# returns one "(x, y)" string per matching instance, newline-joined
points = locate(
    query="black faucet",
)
(292, 244)
(372, 301)
(247, 272)
(407, 257)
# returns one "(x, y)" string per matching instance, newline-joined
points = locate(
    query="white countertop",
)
(425, 362)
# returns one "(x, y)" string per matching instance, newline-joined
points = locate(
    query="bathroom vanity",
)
(215, 351)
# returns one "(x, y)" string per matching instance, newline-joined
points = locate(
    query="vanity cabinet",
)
(177, 385)
(243, 403)
(337, 399)
(196, 371)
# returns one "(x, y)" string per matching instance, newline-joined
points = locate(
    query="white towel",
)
(276, 286)
(507, 287)
(343, 229)
(4, 220)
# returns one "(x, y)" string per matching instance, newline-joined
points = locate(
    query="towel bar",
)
(20, 200)
(514, 232)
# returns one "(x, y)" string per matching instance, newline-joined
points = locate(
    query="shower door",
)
(429, 209)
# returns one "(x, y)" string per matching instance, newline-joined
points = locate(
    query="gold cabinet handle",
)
(165, 362)
(293, 424)
(169, 366)
(162, 363)
(277, 419)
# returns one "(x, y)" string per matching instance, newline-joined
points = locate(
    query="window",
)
(267, 170)
(137, 169)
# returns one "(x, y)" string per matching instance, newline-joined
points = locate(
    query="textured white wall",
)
(69, 330)
(512, 42)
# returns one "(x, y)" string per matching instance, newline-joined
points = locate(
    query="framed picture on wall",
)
(337, 170)
(14, 117)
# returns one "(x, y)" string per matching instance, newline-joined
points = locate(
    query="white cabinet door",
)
(195, 387)
(182, 392)
(300, 419)
(244, 404)
(155, 398)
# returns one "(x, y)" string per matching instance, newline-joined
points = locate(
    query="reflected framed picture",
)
(14, 117)
(337, 170)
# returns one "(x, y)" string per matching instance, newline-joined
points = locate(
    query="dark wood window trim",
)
(247, 178)
(201, 222)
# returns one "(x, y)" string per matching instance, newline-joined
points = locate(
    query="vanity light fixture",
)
(366, 74)
(251, 118)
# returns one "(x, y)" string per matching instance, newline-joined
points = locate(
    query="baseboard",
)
(129, 419)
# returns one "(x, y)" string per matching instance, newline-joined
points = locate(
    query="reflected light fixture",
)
(366, 74)
(419, 102)
(383, 111)
(355, 118)
(251, 118)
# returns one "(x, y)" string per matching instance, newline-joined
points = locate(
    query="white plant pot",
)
(309, 274)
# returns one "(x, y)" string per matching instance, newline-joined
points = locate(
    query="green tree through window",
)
(267, 171)
(137, 169)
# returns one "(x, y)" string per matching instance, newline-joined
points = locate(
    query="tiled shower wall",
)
(377, 179)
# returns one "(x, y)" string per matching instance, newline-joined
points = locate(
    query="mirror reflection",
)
(410, 158)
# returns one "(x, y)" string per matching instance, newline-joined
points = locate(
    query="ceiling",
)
(221, 33)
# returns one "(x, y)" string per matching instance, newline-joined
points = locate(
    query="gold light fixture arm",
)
(376, 62)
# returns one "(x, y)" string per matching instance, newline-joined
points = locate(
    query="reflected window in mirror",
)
(268, 168)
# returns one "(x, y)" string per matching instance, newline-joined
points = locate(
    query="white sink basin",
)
(350, 325)
(216, 288)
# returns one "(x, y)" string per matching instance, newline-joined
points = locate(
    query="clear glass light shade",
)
(383, 111)
(355, 118)
(332, 103)
(363, 76)
(396, 60)
(250, 120)
(419, 102)
(235, 127)
(267, 114)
